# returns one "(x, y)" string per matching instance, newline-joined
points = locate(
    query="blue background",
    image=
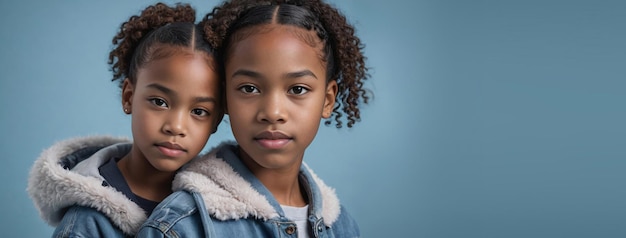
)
(490, 118)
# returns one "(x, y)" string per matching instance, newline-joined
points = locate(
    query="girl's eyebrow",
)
(292, 75)
(205, 99)
(300, 74)
(245, 72)
(172, 93)
(162, 88)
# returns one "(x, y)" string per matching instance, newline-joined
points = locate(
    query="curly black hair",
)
(342, 51)
(157, 25)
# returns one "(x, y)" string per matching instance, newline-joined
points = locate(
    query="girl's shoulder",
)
(81, 221)
(57, 185)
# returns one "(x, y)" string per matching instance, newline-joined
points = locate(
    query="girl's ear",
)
(329, 100)
(127, 96)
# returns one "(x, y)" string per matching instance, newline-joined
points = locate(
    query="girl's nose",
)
(176, 124)
(272, 110)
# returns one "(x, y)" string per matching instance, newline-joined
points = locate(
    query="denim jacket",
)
(219, 197)
(70, 193)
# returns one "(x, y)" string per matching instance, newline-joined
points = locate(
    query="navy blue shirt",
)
(113, 177)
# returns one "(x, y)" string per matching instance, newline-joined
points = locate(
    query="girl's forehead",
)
(307, 36)
(163, 51)
(276, 49)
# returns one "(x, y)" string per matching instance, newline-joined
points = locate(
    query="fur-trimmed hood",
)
(230, 191)
(66, 174)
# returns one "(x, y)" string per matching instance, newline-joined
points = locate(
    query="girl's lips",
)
(273, 144)
(170, 149)
(272, 139)
(271, 135)
(169, 152)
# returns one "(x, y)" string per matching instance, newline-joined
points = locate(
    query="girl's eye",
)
(158, 102)
(248, 89)
(298, 90)
(200, 112)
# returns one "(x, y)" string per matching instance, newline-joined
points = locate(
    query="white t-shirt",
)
(299, 216)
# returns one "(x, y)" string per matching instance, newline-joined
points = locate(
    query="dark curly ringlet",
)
(157, 26)
(342, 49)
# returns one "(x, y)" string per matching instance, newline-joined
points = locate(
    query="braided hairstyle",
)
(157, 26)
(342, 49)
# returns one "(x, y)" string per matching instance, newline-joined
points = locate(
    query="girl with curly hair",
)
(107, 187)
(286, 65)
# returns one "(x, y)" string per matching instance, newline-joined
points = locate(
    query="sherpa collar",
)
(54, 188)
(228, 195)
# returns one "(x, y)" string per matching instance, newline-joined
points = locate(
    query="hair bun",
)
(132, 32)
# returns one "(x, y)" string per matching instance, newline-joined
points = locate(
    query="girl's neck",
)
(283, 183)
(143, 179)
(284, 187)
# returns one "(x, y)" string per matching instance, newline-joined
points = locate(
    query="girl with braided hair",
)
(286, 65)
(107, 187)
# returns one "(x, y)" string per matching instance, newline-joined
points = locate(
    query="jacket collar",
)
(66, 174)
(231, 191)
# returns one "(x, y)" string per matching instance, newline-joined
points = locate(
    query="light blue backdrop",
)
(491, 118)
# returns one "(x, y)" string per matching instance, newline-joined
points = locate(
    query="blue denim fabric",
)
(183, 214)
(180, 215)
(81, 221)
